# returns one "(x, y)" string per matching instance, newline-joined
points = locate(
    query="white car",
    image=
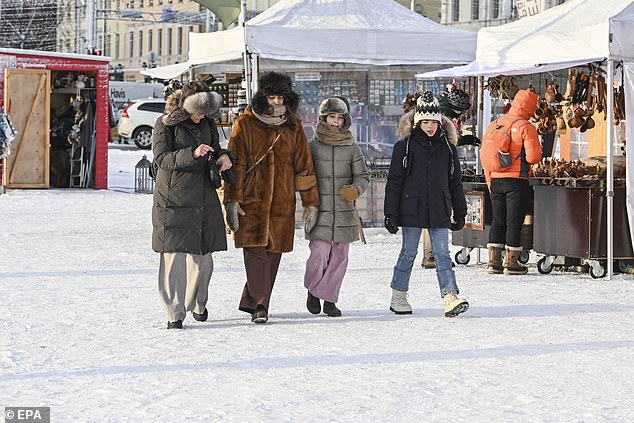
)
(137, 120)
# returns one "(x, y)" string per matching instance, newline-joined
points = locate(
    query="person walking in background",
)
(424, 185)
(509, 187)
(342, 176)
(272, 162)
(186, 215)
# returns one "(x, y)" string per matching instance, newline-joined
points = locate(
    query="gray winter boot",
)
(399, 304)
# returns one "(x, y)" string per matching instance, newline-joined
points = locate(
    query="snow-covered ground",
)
(83, 332)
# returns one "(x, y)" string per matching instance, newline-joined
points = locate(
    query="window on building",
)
(140, 44)
(455, 10)
(179, 40)
(117, 46)
(168, 41)
(159, 42)
(475, 10)
(108, 47)
(131, 4)
(495, 13)
(150, 2)
(131, 46)
(150, 40)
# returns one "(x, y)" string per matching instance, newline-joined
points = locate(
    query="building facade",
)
(471, 15)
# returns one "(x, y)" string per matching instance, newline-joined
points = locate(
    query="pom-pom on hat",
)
(427, 108)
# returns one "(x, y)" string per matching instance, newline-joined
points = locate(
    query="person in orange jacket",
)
(509, 188)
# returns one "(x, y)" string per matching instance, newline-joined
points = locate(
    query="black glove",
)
(468, 140)
(390, 224)
(458, 224)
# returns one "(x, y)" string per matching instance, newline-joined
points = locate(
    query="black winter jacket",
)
(425, 194)
(186, 216)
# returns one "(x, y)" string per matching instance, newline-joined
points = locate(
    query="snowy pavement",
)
(83, 332)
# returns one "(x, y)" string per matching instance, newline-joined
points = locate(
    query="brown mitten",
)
(349, 192)
(304, 181)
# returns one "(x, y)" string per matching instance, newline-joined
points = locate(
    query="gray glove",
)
(310, 218)
(233, 209)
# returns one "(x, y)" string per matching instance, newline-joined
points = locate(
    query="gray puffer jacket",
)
(186, 215)
(336, 166)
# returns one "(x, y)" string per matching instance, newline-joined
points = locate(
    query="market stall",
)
(58, 103)
(576, 33)
(366, 50)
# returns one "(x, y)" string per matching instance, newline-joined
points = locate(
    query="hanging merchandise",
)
(7, 134)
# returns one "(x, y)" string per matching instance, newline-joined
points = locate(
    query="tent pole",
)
(245, 53)
(610, 168)
(479, 119)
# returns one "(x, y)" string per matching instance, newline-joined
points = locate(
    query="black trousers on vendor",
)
(510, 199)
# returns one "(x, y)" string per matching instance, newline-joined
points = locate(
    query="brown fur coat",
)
(267, 192)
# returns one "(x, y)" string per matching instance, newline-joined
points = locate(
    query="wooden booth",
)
(58, 103)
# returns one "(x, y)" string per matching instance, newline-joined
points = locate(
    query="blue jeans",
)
(439, 245)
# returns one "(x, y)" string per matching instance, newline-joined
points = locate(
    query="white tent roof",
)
(374, 32)
(572, 33)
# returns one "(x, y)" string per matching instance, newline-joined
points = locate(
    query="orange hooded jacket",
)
(524, 138)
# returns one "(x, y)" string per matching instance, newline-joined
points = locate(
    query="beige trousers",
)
(183, 283)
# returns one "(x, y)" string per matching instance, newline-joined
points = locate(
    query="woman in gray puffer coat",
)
(341, 177)
(186, 215)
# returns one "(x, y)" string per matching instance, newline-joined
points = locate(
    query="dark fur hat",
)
(274, 83)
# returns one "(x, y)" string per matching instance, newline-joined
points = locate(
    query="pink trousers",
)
(325, 268)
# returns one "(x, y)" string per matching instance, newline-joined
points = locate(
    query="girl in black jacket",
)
(423, 190)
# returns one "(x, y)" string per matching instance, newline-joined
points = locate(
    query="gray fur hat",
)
(203, 103)
(335, 105)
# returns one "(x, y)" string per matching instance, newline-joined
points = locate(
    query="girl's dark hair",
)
(191, 88)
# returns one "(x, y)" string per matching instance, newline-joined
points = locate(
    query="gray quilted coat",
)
(336, 166)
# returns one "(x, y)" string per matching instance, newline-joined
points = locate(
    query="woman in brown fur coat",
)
(272, 162)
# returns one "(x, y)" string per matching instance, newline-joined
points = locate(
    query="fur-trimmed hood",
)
(404, 127)
(204, 103)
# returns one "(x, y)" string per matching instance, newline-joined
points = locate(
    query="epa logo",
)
(27, 414)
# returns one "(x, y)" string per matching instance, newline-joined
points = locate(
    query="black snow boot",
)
(331, 309)
(175, 325)
(313, 304)
(201, 317)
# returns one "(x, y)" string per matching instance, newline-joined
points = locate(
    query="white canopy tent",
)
(373, 32)
(571, 34)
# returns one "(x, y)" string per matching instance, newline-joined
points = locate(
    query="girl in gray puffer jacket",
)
(341, 177)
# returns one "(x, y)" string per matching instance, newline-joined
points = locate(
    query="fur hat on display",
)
(274, 83)
(454, 101)
(335, 105)
(427, 108)
(204, 103)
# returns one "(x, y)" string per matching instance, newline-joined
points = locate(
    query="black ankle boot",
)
(201, 317)
(331, 309)
(175, 325)
(313, 304)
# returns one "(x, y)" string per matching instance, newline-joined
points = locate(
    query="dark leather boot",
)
(331, 309)
(313, 304)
